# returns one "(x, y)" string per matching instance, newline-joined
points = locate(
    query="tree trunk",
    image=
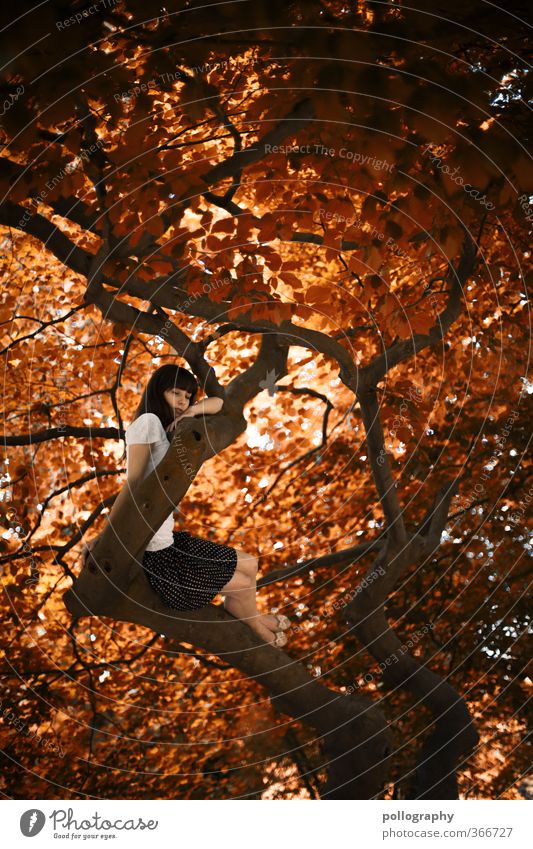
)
(454, 734)
(355, 736)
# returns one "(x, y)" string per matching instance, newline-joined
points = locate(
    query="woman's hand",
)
(185, 415)
(87, 546)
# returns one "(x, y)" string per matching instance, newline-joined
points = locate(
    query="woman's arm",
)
(206, 405)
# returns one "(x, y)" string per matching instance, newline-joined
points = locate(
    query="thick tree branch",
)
(23, 219)
(379, 463)
(407, 348)
(72, 208)
(272, 359)
(434, 522)
(301, 115)
(167, 293)
(156, 325)
(355, 736)
(78, 212)
(454, 734)
(195, 440)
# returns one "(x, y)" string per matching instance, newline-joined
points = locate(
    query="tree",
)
(220, 195)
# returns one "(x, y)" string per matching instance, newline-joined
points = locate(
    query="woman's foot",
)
(280, 639)
(276, 638)
(266, 626)
(275, 621)
(284, 623)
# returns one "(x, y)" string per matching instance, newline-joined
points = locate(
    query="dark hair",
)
(169, 376)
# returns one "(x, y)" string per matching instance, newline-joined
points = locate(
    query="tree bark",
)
(356, 740)
(454, 734)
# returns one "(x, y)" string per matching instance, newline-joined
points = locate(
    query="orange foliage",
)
(353, 242)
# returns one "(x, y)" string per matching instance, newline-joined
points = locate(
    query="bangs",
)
(185, 381)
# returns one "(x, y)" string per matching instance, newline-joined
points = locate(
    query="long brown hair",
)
(169, 376)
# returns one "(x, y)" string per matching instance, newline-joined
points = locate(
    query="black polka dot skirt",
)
(191, 572)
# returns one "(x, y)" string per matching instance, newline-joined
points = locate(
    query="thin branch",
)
(44, 325)
(71, 485)
(335, 558)
(63, 431)
(306, 455)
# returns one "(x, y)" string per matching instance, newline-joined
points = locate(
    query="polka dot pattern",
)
(189, 573)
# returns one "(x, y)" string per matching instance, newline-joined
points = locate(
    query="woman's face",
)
(177, 399)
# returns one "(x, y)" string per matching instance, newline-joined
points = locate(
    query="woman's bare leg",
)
(241, 599)
(249, 564)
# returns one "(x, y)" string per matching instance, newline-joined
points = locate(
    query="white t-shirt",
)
(148, 429)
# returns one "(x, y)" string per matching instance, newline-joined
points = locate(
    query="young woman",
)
(187, 571)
